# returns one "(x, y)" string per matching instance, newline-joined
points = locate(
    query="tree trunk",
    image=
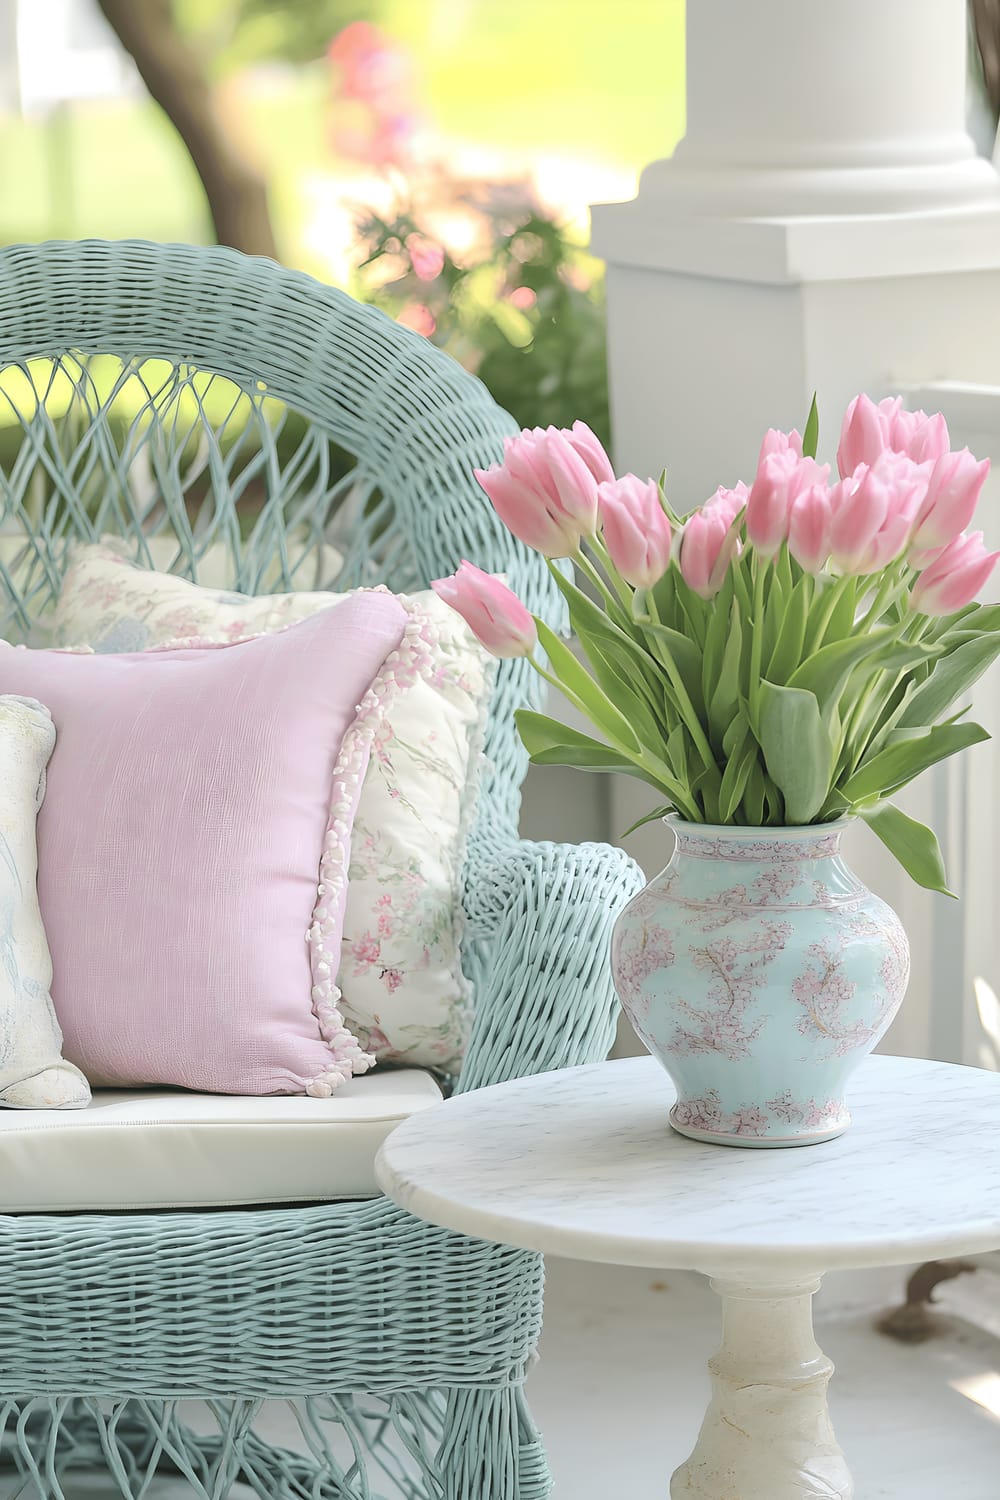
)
(175, 78)
(986, 23)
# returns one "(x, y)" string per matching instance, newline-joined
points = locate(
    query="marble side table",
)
(582, 1163)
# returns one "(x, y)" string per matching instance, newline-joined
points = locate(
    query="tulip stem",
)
(621, 587)
(834, 595)
(583, 562)
(757, 631)
(884, 596)
(685, 707)
(644, 759)
(877, 687)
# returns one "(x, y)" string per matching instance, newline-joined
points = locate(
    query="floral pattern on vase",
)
(759, 971)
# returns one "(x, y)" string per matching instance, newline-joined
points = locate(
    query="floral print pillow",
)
(404, 995)
(33, 1072)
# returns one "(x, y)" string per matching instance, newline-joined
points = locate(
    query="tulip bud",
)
(730, 502)
(953, 491)
(874, 512)
(955, 576)
(780, 442)
(591, 450)
(576, 487)
(864, 433)
(858, 505)
(917, 435)
(709, 542)
(781, 477)
(636, 530)
(494, 614)
(809, 523)
(545, 491)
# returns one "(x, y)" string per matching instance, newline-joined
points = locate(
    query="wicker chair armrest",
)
(541, 916)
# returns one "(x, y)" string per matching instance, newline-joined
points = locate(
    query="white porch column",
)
(825, 225)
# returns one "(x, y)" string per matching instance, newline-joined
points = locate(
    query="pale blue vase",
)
(760, 972)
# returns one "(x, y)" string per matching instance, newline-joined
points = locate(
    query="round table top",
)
(583, 1163)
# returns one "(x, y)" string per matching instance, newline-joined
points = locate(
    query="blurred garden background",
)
(436, 157)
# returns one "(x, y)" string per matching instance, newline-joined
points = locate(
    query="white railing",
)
(956, 1013)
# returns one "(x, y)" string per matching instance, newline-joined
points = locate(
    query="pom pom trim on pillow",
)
(411, 659)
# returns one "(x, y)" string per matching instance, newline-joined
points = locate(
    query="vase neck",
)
(758, 845)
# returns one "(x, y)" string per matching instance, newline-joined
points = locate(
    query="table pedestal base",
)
(767, 1434)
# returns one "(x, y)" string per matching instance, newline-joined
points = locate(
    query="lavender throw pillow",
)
(192, 862)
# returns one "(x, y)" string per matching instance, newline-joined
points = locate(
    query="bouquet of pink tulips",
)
(786, 654)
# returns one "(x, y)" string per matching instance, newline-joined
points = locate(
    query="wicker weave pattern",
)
(198, 394)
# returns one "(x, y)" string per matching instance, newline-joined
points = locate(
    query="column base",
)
(656, 233)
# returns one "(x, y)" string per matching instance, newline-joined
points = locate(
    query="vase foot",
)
(763, 1142)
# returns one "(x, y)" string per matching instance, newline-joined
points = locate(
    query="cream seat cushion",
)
(149, 1148)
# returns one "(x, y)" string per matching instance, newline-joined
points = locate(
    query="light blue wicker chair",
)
(404, 1347)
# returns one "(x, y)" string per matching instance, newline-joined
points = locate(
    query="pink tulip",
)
(809, 523)
(729, 502)
(955, 576)
(869, 430)
(493, 613)
(636, 530)
(545, 491)
(545, 462)
(874, 512)
(782, 476)
(916, 434)
(859, 505)
(591, 450)
(708, 544)
(864, 434)
(780, 442)
(953, 491)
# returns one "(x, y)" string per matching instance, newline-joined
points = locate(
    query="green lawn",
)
(529, 75)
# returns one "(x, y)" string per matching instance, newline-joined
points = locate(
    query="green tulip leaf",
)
(902, 760)
(981, 618)
(951, 676)
(651, 817)
(592, 757)
(685, 656)
(581, 688)
(810, 437)
(725, 696)
(716, 634)
(626, 678)
(914, 845)
(742, 758)
(677, 753)
(754, 794)
(797, 749)
(734, 736)
(827, 672)
(787, 652)
(541, 732)
(552, 743)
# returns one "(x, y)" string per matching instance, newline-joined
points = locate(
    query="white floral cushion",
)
(33, 1073)
(403, 991)
(311, 564)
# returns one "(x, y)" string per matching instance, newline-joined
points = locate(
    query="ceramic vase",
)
(759, 971)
